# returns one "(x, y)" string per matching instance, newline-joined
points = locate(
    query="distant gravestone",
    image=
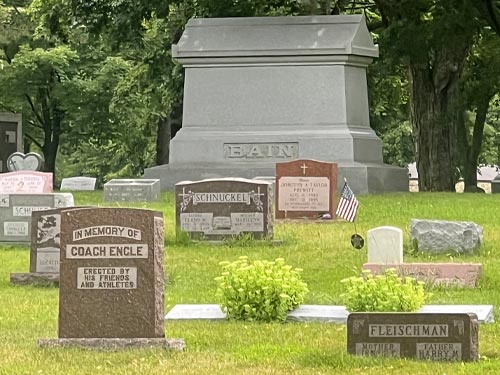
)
(215, 209)
(439, 236)
(385, 245)
(28, 182)
(130, 190)
(305, 188)
(16, 210)
(111, 290)
(19, 161)
(11, 137)
(435, 337)
(78, 183)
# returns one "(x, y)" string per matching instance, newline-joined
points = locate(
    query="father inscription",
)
(305, 189)
(215, 209)
(111, 258)
(437, 337)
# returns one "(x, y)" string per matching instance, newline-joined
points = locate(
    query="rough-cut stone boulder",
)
(437, 236)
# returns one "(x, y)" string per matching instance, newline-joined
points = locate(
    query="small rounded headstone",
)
(357, 241)
(24, 162)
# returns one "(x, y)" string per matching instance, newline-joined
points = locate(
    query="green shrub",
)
(387, 292)
(260, 291)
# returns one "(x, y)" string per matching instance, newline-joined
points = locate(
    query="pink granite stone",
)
(29, 182)
(460, 274)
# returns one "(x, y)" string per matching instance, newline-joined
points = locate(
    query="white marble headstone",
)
(385, 245)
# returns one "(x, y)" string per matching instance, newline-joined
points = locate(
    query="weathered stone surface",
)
(385, 245)
(454, 274)
(132, 190)
(262, 90)
(113, 343)
(16, 210)
(80, 183)
(34, 278)
(111, 274)
(429, 336)
(11, 137)
(438, 236)
(306, 189)
(318, 313)
(216, 209)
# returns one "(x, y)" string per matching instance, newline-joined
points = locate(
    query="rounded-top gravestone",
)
(24, 162)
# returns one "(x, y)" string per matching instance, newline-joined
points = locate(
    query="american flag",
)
(348, 204)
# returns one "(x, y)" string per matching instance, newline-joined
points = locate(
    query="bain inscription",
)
(261, 150)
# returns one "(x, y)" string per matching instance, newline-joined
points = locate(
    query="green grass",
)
(322, 250)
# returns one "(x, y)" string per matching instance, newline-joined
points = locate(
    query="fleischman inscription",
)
(280, 150)
(408, 330)
(106, 278)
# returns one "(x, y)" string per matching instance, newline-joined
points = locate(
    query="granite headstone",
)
(78, 183)
(27, 182)
(19, 161)
(215, 209)
(429, 336)
(385, 245)
(111, 274)
(305, 189)
(16, 210)
(132, 190)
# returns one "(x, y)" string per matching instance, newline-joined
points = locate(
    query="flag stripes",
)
(348, 204)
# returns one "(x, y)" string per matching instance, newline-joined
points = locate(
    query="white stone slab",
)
(320, 313)
(78, 183)
(484, 312)
(187, 312)
(385, 245)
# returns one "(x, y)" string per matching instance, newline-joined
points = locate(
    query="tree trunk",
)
(163, 141)
(435, 112)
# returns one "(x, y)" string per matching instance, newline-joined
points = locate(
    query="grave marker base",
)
(114, 343)
(34, 278)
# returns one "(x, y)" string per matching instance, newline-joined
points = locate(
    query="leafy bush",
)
(387, 292)
(260, 291)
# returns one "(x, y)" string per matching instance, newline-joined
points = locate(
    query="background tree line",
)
(101, 96)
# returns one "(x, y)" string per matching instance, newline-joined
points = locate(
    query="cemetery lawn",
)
(322, 250)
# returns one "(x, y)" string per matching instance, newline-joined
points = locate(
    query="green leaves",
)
(260, 291)
(387, 292)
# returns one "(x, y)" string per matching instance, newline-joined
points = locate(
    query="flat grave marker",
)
(78, 183)
(215, 209)
(132, 190)
(305, 189)
(436, 337)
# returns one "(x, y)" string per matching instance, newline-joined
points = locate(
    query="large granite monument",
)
(11, 137)
(263, 90)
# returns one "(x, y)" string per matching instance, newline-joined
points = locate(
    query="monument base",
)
(363, 178)
(34, 278)
(114, 343)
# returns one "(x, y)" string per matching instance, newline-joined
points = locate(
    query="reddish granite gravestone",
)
(436, 337)
(111, 274)
(30, 182)
(215, 209)
(305, 189)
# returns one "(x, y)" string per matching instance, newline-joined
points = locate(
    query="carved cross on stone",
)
(304, 167)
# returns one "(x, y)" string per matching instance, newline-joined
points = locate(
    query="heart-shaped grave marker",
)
(21, 162)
